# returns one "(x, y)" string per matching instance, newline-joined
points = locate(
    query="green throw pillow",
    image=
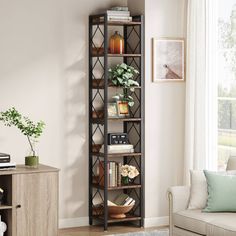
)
(221, 192)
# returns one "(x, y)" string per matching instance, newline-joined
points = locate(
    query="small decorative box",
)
(117, 138)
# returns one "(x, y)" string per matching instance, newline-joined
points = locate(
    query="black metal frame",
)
(134, 126)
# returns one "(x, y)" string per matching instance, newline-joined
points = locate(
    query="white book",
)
(118, 13)
(119, 18)
(7, 166)
(128, 201)
(120, 146)
(121, 151)
(120, 8)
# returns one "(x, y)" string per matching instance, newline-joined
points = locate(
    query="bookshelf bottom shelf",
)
(112, 220)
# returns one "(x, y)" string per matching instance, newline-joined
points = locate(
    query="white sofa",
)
(184, 222)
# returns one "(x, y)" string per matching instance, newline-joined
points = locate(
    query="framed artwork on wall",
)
(168, 60)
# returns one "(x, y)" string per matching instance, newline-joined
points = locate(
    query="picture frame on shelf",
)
(112, 110)
(123, 109)
(168, 60)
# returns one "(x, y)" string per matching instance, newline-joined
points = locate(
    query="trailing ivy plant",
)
(122, 76)
(31, 130)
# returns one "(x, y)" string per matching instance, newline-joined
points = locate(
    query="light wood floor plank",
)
(98, 230)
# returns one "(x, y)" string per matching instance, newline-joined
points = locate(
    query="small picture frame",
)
(123, 109)
(112, 110)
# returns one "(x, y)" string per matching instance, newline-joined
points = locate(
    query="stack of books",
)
(5, 162)
(114, 173)
(118, 148)
(123, 200)
(118, 14)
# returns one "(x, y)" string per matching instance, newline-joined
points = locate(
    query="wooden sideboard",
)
(30, 206)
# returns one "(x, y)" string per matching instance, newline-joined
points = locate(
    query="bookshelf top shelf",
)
(100, 20)
(117, 23)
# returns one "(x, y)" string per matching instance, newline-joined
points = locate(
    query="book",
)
(9, 165)
(120, 151)
(4, 158)
(118, 13)
(132, 202)
(102, 172)
(116, 169)
(113, 176)
(119, 18)
(121, 148)
(119, 174)
(119, 8)
(110, 174)
(128, 201)
(121, 199)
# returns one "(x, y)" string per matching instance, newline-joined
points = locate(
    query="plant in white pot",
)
(31, 130)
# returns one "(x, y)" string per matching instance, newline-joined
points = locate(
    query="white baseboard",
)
(73, 222)
(156, 221)
(84, 221)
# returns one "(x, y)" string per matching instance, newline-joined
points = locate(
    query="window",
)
(226, 81)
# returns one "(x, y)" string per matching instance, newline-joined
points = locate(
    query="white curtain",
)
(201, 90)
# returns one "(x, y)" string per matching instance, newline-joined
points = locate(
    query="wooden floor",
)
(98, 230)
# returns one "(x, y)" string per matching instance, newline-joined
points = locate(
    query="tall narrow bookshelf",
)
(100, 92)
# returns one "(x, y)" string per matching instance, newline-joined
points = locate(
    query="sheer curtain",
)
(201, 88)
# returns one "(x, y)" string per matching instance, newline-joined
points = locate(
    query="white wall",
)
(43, 73)
(165, 109)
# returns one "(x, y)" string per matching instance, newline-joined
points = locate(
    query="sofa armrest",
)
(178, 200)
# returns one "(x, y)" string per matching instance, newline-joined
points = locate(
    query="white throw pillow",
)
(198, 191)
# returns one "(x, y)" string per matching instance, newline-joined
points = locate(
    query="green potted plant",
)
(122, 76)
(31, 130)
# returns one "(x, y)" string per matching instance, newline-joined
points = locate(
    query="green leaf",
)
(131, 103)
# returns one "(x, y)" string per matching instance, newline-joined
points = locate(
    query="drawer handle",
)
(18, 206)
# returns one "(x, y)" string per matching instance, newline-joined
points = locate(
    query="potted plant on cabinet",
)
(122, 76)
(31, 130)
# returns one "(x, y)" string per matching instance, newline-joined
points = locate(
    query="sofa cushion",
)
(198, 190)
(197, 221)
(225, 226)
(221, 192)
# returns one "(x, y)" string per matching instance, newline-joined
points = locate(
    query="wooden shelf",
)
(138, 154)
(5, 207)
(125, 119)
(116, 55)
(99, 84)
(117, 23)
(101, 120)
(112, 220)
(118, 187)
